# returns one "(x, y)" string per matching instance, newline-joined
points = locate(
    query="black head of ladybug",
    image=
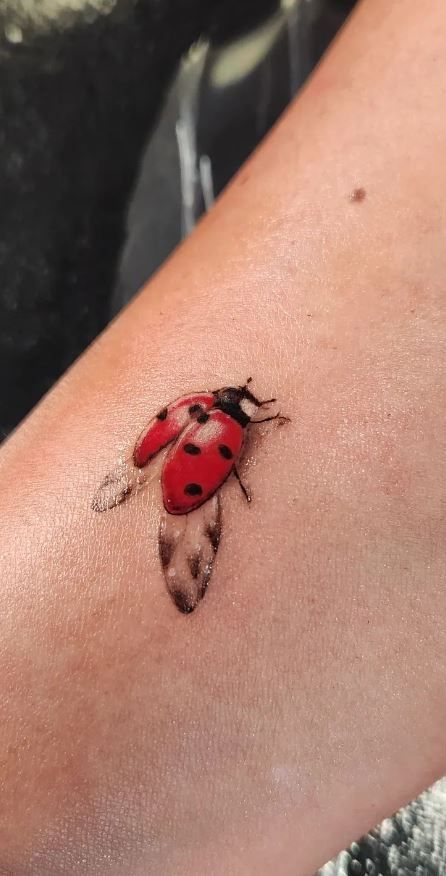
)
(238, 402)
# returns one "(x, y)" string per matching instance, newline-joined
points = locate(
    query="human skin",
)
(305, 698)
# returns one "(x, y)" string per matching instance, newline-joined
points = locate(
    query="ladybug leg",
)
(267, 401)
(279, 417)
(245, 492)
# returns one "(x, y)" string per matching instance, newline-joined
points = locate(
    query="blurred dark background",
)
(82, 84)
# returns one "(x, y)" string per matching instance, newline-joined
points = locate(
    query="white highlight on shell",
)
(248, 407)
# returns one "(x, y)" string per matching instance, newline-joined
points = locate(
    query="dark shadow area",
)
(76, 106)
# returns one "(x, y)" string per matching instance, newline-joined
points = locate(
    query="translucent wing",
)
(188, 544)
(119, 484)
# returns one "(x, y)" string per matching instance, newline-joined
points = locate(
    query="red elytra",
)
(200, 461)
(168, 424)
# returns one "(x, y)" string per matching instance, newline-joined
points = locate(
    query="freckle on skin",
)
(358, 195)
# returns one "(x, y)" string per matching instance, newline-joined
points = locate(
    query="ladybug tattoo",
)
(203, 435)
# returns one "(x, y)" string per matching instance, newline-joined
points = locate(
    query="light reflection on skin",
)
(19, 17)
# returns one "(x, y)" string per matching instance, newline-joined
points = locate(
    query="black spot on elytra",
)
(203, 418)
(182, 601)
(193, 490)
(213, 533)
(166, 551)
(225, 451)
(194, 565)
(195, 409)
(192, 449)
(162, 414)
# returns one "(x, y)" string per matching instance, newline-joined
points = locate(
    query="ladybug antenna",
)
(248, 394)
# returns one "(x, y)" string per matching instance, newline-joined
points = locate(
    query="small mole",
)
(225, 451)
(203, 418)
(358, 195)
(192, 449)
(162, 414)
(193, 490)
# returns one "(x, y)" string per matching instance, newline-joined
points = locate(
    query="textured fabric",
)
(412, 843)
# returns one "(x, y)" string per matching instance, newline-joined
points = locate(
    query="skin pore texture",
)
(305, 698)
